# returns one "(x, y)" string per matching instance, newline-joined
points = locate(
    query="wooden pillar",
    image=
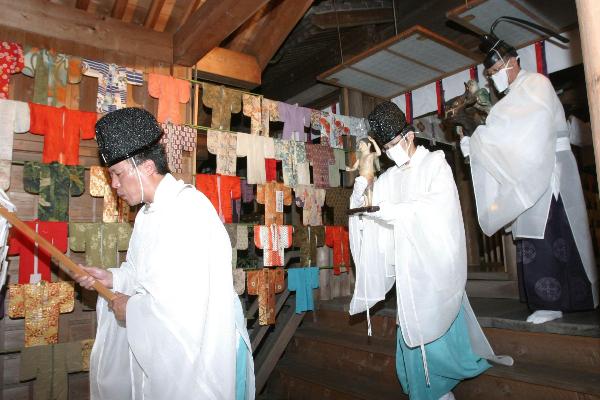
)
(469, 212)
(588, 12)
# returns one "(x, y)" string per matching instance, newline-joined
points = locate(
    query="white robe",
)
(423, 251)
(520, 158)
(181, 330)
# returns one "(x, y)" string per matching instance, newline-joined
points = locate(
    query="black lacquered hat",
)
(386, 122)
(123, 133)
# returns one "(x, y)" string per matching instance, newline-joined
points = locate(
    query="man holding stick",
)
(175, 329)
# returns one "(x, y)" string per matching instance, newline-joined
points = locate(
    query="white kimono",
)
(519, 159)
(181, 330)
(423, 251)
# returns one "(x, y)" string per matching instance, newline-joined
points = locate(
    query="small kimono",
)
(265, 283)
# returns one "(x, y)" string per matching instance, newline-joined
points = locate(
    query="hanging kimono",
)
(339, 163)
(265, 284)
(337, 132)
(224, 146)
(337, 238)
(311, 200)
(273, 239)
(521, 160)
(35, 262)
(223, 102)
(293, 162)
(339, 200)
(114, 209)
(255, 148)
(177, 139)
(270, 112)
(320, 157)
(303, 281)
(308, 239)
(112, 83)
(354, 126)
(11, 62)
(238, 235)
(220, 190)
(170, 92)
(101, 242)
(274, 195)
(50, 367)
(55, 183)
(253, 108)
(51, 72)
(40, 304)
(295, 119)
(62, 129)
(184, 320)
(14, 118)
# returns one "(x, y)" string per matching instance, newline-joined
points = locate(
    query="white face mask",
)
(397, 154)
(500, 79)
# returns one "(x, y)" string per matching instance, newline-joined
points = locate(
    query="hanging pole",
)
(588, 13)
(65, 263)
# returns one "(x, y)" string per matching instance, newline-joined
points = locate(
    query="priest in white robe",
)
(417, 241)
(525, 178)
(176, 329)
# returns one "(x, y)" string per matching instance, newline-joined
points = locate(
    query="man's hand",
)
(119, 306)
(94, 274)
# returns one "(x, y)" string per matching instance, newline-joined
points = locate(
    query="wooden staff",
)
(64, 262)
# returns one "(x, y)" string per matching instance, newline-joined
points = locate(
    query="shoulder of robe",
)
(534, 79)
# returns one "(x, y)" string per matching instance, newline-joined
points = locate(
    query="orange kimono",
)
(220, 190)
(62, 128)
(266, 283)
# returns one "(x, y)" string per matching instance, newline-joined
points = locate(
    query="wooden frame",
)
(384, 46)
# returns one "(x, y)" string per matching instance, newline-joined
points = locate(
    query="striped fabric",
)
(112, 83)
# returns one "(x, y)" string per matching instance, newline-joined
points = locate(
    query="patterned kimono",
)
(55, 183)
(177, 139)
(40, 304)
(334, 169)
(51, 72)
(238, 235)
(308, 239)
(273, 239)
(311, 200)
(224, 146)
(266, 283)
(253, 108)
(339, 200)
(293, 162)
(321, 157)
(112, 83)
(11, 62)
(274, 195)
(223, 102)
(100, 241)
(115, 209)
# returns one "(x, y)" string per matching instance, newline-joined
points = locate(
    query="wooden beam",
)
(82, 29)
(130, 10)
(349, 18)
(82, 4)
(588, 13)
(230, 67)
(193, 5)
(208, 26)
(164, 15)
(271, 30)
(118, 9)
(153, 13)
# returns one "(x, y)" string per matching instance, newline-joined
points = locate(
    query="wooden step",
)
(358, 355)
(302, 381)
(531, 382)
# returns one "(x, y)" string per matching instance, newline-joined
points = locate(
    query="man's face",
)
(511, 65)
(402, 141)
(124, 179)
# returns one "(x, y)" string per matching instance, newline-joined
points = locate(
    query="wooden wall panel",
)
(81, 323)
